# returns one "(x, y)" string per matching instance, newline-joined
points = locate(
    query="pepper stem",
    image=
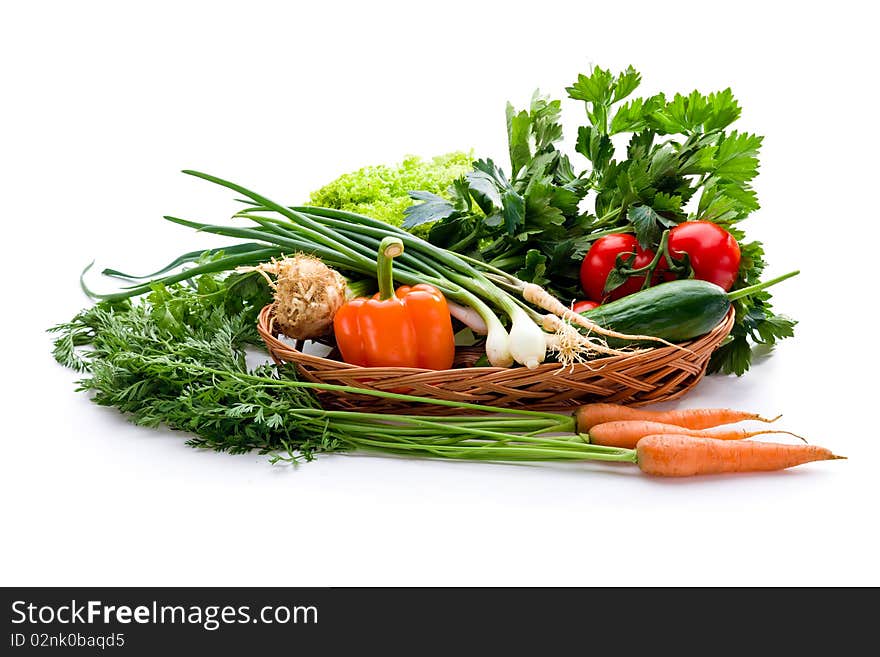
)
(389, 248)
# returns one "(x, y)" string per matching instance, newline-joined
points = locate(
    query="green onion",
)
(348, 241)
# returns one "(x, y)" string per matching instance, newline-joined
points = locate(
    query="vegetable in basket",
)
(676, 311)
(382, 191)
(407, 327)
(307, 295)
(617, 266)
(607, 253)
(584, 305)
(712, 253)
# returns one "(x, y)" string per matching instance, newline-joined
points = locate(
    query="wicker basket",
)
(653, 375)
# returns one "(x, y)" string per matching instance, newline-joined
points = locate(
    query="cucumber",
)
(675, 311)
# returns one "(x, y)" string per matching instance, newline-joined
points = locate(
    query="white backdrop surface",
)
(101, 104)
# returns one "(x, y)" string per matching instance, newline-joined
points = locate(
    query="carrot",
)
(626, 433)
(675, 455)
(589, 415)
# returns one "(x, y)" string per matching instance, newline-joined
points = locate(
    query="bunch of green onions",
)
(349, 242)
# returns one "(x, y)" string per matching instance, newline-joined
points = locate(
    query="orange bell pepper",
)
(409, 327)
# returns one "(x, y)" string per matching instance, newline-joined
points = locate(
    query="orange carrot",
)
(589, 415)
(626, 433)
(672, 455)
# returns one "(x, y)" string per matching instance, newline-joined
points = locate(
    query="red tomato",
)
(600, 260)
(714, 253)
(584, 306)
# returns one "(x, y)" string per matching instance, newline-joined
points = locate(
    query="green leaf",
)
(615, 280)
(565, 171)
(626, 83)
(775, 327)
(726, 203)
(450, 231)
(635, 181)
(525, 235)
(489, 168)
(698, 110)
(648, 225)
(737, 157)
(544, 115)
(540, 168)
(433, 208)
(635, 115)
(683, 114)
(697, 154)
(461, 194)
(380, 191)
(484, 189)
(566, 200)
(595, 146)
(629, 117)
(734, 357)
(534, 268)
(579, 247)
(724, 110)
(743, 194)
(670, 119)
(594, 88)
(518, 126)
(640, 145)
(663, 163)
(664, 202)
(751, 261)
(513, 210)
(540, 208)
(245, 289)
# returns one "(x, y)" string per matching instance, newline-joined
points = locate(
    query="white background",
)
(103, 103)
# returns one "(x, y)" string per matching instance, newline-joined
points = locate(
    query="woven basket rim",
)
(292, 353)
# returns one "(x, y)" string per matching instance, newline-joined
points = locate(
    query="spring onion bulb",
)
(498, 344)
(527, 343)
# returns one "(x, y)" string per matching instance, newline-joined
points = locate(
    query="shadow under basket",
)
(652, 375)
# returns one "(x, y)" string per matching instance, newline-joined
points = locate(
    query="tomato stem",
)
(662, 251)
(648, 269)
